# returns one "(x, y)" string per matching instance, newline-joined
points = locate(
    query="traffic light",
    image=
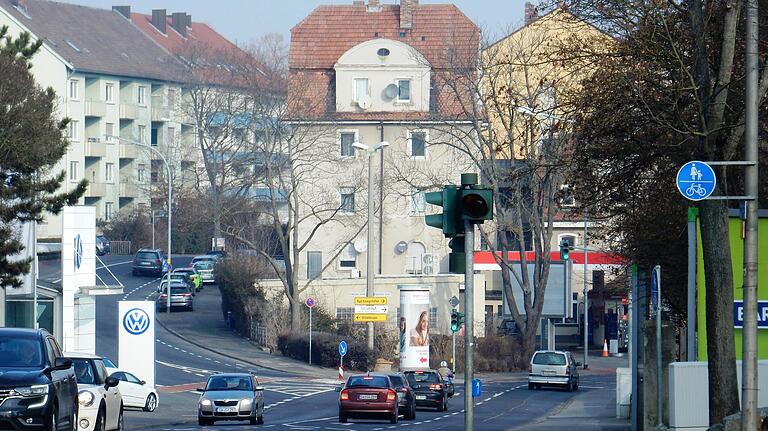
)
(449, 220)
(457, 319)
(565, 249)
(457, 258)
(477, 204)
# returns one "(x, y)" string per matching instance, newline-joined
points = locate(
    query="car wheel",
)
(445, 406)
(151, 403)
(569, 386)
(120, 423)
(342, 418)
(531, 386)
(412, 413)
(260, 420)
(73, 416)
(204, 422)
(53, 422)
(100, 424)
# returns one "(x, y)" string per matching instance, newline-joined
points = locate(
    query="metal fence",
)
(120, 247)
(259, 334)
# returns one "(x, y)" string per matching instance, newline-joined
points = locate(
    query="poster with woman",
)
(414, 326)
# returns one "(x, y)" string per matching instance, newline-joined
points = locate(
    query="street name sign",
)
(371, 309)
(762, 314)
(370, 317)
(371, 300)
(696, 180)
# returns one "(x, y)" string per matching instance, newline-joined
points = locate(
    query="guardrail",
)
(121, 248)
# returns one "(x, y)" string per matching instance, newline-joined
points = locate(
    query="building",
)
(370, 73)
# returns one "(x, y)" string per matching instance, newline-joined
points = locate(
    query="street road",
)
(301, 402)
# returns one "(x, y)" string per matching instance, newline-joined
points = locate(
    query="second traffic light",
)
(457, 320)
(565, 250)
(449, 221)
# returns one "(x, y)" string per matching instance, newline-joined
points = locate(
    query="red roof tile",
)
(199, 33)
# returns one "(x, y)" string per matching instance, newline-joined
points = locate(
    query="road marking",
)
(592, 387)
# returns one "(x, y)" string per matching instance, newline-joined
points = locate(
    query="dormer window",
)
(361, 88)
(382, 52)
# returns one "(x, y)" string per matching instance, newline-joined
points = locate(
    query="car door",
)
(113, 397)
(139, 392)
(127, 391)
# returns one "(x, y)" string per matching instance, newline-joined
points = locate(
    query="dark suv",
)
(37, 384)
(148, 261)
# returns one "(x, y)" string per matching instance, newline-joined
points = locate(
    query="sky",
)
(243, 21)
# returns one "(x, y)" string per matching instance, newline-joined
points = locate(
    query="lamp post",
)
(369, 261)
(170, 203)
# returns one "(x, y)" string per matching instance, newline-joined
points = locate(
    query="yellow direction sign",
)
(370, 317)
(371, 300)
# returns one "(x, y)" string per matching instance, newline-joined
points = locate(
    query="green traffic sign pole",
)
(469, 245)
(453, 350)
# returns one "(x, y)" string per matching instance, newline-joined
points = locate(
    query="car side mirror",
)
(110, 382)
(337, 389)
(200, 390)
(259, 388)
(62, 364)
(143, 382)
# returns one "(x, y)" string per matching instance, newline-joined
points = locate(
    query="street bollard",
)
(477, 388)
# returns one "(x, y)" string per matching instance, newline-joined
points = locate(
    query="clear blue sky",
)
(246, 20)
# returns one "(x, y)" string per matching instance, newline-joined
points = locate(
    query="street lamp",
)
(170, 203)
(369, 265)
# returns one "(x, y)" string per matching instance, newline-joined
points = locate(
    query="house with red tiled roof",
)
(373, 86)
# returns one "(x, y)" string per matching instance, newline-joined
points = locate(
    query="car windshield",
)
(203, 265)
(20, 352)
(229, 383)
(367, 382)
(146, 255)
(549, 358)
(109, 364)
(84, 371)
(417, 377)
(397, 381)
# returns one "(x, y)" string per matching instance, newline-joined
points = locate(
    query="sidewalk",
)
(205, 329)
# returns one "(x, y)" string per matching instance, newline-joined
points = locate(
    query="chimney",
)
(125, 11)
(358, 2)
(158, 19)
(179, 23)
(407, 8)
(531, 13)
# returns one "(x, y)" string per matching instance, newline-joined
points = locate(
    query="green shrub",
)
(325, 350)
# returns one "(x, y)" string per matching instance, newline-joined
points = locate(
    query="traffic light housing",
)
(457, 258)
(449, 221)
(457, 320)
(565, 250)
(476, 204)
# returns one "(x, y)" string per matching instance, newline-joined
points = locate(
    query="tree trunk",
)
(296, 315)
(216, 214)
(527, 347)
(721, 350)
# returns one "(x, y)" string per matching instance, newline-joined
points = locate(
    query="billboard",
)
(414, 326)
(557, 299)
(78, 269)
(136, 339)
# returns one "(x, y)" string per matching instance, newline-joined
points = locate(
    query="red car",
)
(368, 396)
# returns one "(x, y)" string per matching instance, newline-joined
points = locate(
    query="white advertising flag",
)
(136, 335)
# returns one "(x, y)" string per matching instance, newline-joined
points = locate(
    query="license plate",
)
(421, 397)
(226, 409)
(549, 373)
(146, 263)
(367, 397)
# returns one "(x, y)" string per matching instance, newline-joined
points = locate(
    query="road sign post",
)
(310, 303)
(342, 352)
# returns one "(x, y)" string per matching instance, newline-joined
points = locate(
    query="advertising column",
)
(414, 326)
(78, 269)
(136, 339)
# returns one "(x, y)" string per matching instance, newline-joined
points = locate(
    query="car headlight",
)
(245, 404)
(205, 403)
(33, 391)
(85, 398)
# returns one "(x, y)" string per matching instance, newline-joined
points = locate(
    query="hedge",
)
(325, 350)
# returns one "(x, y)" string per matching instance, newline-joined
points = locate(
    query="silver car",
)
(227, 397)
(553, 368)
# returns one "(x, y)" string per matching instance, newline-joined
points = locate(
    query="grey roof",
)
(96, 40)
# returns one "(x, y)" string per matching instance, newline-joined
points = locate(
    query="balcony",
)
(129, 190)
(95, 148)
(96, 190)
(95, 108)
(160, 109)
(128, 151)
(129, 111)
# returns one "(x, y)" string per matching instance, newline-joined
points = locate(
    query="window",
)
(74, 89)
(433, 317)
(345, 314)
(141, 97)
(347, 200)
(109, 172)
(314, 264)
(74, 130)
(108, 208)
(172, 135)
(109, 93)
(141, 173)
(346, 139)
(143, 134)
(382, 52)
(403, 90)
(110, 131)
(361, 88)
(417, 145)
(348, 257)
(566, 197)
(154, 171)
(418, 204)
(73, 174)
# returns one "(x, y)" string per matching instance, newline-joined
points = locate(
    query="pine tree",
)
(32, 141)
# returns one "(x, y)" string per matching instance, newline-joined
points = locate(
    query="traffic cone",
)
(605, 348)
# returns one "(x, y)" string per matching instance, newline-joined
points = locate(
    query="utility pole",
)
(586, 297)
(749, 331)
(469, 246)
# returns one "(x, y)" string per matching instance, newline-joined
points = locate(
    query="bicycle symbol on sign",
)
(697, 189)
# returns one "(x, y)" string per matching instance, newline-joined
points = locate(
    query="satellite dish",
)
(360, 245)
(390, 91)
(400, 247)
(364, 102)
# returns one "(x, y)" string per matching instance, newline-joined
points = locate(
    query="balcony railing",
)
(160, 109)
(95, 108)
(128, 190)
(129, 111)
(96, 190)
(95, 148)
(128, 151)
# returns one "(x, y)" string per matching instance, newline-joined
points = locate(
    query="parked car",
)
(111, 367)
(191, 274)
(368, 396)
(203, 258)
(406, 399)
(102, 245)
(176, 279)
(101, 403)
(205, 269)
(148, 261)
(553, 368)
(181, 296)
(37, 383)
(135, 392)
(236, 396)
(429, 389)
(219, 254)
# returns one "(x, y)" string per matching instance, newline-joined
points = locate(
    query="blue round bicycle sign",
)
(696, 180)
